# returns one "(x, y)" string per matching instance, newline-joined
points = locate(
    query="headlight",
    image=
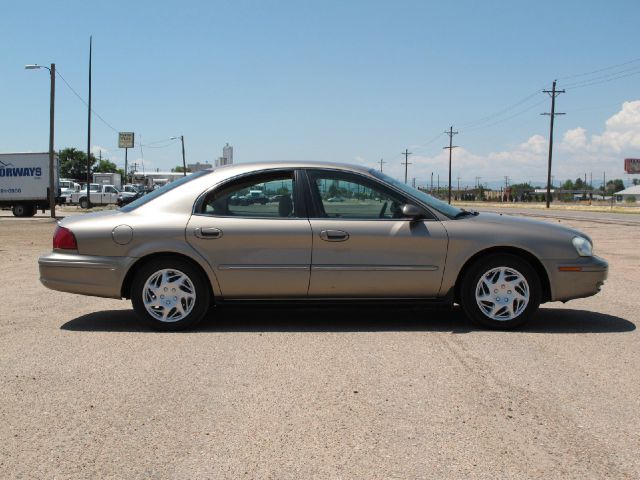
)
(582, 246)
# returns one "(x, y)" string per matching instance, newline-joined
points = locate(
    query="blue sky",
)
(349, 81)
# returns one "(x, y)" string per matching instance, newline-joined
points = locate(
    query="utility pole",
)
(406, 163)
(432, 183)
(89, 132)
(52, 101)
(451, 133)
(381, 162)
(184, 163)
(506, 185)
(553, 93)
(413, 182)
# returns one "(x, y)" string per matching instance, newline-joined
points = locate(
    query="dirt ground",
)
(338, 393)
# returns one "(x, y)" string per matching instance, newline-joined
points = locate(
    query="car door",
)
(257, 249)
(362, 244)
(109, 195)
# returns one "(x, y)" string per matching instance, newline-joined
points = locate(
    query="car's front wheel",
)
(170, 294)
(500, 291)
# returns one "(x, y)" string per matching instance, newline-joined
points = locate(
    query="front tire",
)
(500, 291)
(170, 294)
(84, 203)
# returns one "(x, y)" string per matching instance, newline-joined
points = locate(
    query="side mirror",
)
(411, 211)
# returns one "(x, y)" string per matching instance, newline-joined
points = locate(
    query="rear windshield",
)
(162, 190)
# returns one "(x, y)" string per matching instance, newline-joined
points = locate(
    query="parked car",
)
(180, 249)
(124, 198)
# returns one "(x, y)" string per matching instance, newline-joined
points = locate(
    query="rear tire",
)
(500, 291)
(23, 210)
(84, 203)
(170, 294)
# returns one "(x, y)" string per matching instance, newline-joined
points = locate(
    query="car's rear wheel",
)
(170, 294)
(500, 291)
(84, 203)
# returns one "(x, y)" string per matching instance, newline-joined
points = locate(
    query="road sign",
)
(125, 139)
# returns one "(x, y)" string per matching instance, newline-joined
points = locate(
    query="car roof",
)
(238, 168)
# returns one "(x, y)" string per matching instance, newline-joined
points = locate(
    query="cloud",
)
(536, 144)
(577, 152)
(96, 149)
(575, 140)
(622, 130)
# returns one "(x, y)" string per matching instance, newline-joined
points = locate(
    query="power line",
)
(585, 74)
(83, 101)
(502, 111)
(605, 79)
(521, 112)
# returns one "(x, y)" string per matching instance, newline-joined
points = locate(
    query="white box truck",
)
(112, 178)
(24, 182)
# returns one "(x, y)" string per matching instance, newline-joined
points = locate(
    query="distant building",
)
(198, 167)
(227, 156)
(629, 192)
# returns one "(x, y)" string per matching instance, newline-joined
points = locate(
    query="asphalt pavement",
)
(335, 393)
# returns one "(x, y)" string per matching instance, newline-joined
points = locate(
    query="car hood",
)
(524, 224)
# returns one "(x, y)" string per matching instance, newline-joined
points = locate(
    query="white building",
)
(227, 156)
(633, 191)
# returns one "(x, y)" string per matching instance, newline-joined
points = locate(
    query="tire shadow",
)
(353, 319)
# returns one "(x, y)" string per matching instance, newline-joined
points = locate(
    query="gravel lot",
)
(344, 393)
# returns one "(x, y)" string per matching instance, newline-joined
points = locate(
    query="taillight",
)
(64, 239)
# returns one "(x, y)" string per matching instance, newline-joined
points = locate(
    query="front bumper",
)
(84, 274)
(579, 278)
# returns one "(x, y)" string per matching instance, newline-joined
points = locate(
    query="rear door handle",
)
(208, 232)
(334, 235)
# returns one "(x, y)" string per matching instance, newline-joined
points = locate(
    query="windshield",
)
(443, 207)
(162, 190)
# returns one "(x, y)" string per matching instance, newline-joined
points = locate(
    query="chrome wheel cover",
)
(502, 293)
(169, 295)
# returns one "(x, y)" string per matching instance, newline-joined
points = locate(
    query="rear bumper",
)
(579, 278)
(84, 274)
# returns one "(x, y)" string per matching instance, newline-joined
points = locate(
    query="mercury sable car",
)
(329, 232)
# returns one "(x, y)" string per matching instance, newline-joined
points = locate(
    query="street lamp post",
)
(52, 193)
(184, 164)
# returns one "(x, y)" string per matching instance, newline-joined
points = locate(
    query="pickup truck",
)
(100, 195)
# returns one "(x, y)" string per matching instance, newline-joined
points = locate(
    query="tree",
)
(105, 166)
(568, 185)
(614, 186)
(636, 181)
(73, 163)
(180, 168)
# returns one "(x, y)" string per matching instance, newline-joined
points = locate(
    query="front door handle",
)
(208, 232)
(334, 235)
